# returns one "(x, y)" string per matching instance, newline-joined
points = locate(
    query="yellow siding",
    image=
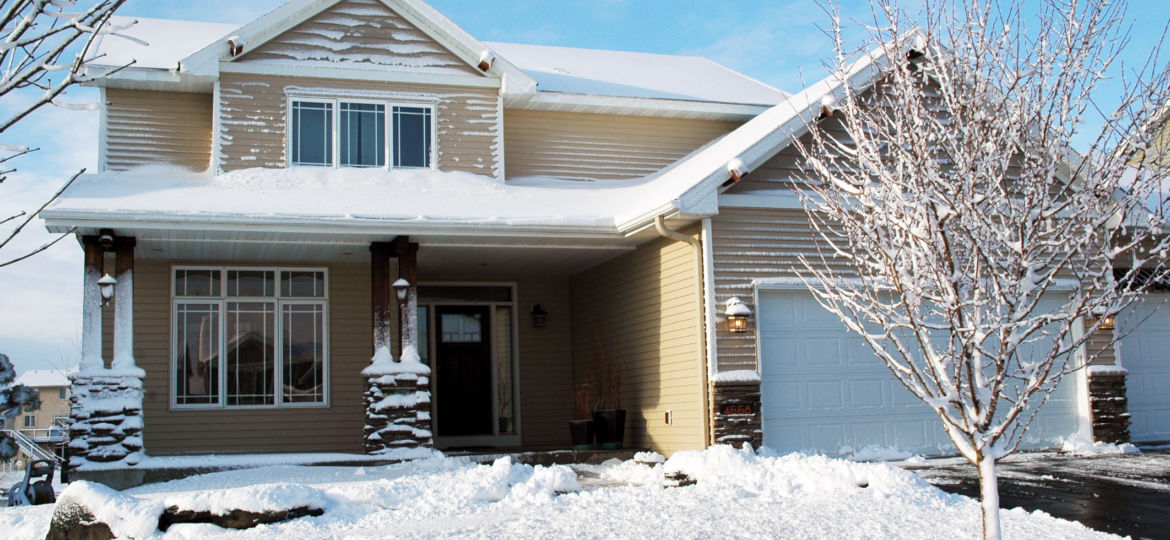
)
(600, 146)
(145, 127)
(1100, 348)
(336, 428)
(646, 306)
(253, 119)
(364, 34)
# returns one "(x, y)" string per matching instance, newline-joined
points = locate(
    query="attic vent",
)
(486, 59)
(235, 45)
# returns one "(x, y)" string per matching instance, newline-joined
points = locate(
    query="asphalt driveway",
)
(1120, 494)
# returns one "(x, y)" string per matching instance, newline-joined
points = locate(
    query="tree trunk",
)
(989, 497)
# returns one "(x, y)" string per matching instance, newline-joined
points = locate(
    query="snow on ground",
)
(738, 494)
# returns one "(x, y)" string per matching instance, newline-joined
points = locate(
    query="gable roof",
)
(189, 54)
(43, 378)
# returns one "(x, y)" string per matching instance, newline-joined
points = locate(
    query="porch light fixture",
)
(539, 316)
(400, 288)
(107, 283)
(737, 314)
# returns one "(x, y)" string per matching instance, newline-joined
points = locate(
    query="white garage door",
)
(1146, 354)
(824, 391)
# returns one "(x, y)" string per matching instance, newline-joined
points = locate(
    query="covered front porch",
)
(254, 342)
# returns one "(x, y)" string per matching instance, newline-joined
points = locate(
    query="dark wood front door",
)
(464, 377)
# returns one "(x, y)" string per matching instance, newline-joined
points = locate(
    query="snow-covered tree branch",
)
(46, 46)
(983, 250)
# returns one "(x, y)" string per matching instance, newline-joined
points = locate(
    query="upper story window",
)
(332, 133)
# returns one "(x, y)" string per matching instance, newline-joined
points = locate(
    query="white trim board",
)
(352, 74)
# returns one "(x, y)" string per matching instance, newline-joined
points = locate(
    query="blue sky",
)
(779, 42)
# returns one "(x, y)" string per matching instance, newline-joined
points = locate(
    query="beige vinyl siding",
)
(1100, 348)
(646, 306)
(600, 146)
(253, 114)
(336, 428)
(364, 34)
(150, 128)
(748, 244)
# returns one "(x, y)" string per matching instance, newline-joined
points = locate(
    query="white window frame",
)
(221, 300)
(388, 129)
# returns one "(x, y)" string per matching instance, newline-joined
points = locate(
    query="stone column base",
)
(735, 413)
(105, 419)
(1109, 404)
(398, 412)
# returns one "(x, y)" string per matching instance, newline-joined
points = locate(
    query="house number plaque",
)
(738, 408)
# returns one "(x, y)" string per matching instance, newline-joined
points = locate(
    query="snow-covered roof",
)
(164, 44)
(43, 378)
(156, 43)
(634, 74)
(449, 201)
(407, 198)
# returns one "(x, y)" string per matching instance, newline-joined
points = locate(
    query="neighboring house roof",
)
(43, 378)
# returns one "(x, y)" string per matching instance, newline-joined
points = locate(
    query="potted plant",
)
(581, 424)
(609, 419)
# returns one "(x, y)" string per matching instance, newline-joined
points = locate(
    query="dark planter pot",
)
(611, 428)
(581, 433)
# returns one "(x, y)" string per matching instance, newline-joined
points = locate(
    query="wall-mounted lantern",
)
(400, 288)
(738, 314)
(107, 283)
(539, 316)
(1108, 322)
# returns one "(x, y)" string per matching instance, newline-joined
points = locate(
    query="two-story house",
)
(46, 425)
(350, 225)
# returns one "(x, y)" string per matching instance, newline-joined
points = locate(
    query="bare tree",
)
(963, 240)
(46, 47)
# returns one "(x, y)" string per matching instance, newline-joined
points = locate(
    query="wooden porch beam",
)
(380, 291)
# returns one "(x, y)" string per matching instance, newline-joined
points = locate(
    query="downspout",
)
(660, 226)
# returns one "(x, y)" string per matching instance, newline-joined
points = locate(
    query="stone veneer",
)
(735, 413)
(398, 412)
(105, 419)
(1109, 404)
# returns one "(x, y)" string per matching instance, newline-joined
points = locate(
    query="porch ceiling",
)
(439, 257)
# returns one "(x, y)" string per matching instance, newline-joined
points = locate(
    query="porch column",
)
(380, 253)
(124, 305)
(398, 398)
(91, 306)
(408, 271)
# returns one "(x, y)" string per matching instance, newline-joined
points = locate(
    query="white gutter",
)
(65, 220)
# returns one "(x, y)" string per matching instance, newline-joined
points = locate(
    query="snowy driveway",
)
(1121, 494)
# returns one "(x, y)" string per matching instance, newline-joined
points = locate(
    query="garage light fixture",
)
(737, 314)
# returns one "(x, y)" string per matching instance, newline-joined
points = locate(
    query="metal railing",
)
(55, 434)
(29, 446)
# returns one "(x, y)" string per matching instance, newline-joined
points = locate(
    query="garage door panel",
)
(866, 394)
(847, 398)
(1145, 352)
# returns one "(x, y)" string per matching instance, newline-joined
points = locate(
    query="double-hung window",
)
(332, 133)
(247, 337)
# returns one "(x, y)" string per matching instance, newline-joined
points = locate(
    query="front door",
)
(463, 358)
